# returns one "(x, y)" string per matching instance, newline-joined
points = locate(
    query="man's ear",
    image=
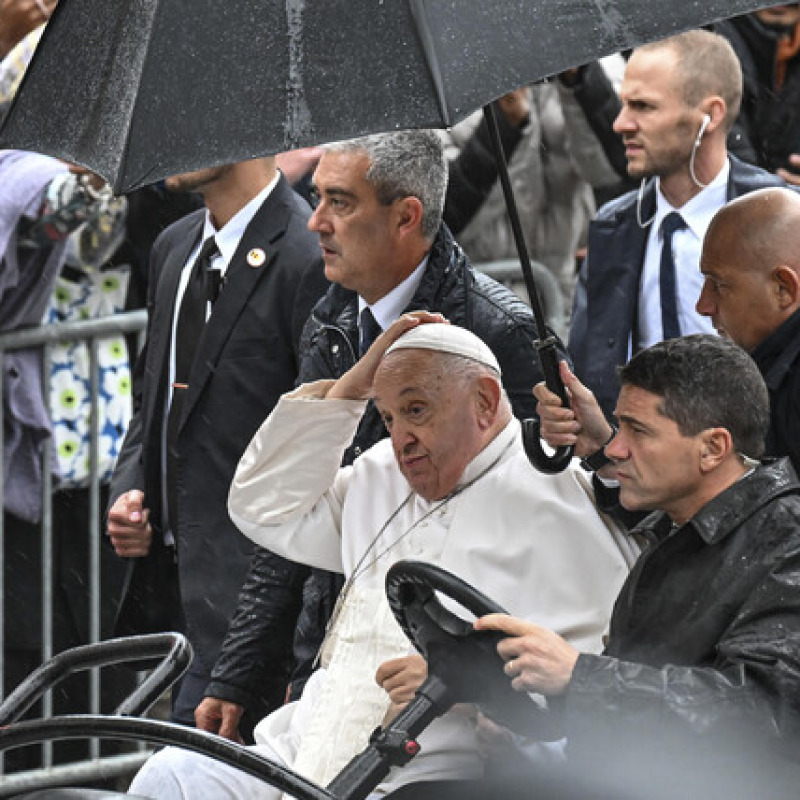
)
(787, 286)
(716, 445)
(409, 213)
(716, 108)
(487, 400)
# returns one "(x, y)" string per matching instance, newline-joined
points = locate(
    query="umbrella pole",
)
(546, 343)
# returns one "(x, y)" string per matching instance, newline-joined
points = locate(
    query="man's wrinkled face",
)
(656, 465)
(432, 418)
(657, 128)
(355, 230)
(741, 301)
(783, 16)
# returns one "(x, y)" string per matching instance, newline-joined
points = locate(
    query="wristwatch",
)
(598, 459)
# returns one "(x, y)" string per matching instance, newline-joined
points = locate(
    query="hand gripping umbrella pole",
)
(546, 343)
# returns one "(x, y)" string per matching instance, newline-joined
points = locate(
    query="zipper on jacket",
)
(329, 326)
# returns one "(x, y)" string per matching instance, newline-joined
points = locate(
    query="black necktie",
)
(369, 331)
(189, 328)
(667, 281)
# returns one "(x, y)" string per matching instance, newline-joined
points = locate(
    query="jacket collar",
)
(446, 260)
(742, 178)
(264, 232)
(776, 355)
(720, 517)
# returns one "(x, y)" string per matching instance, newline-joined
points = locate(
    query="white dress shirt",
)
(392, 305)
(686, 246)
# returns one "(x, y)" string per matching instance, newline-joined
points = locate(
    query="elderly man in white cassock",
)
(452, 486)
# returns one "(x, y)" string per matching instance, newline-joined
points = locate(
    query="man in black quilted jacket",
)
(386, 251)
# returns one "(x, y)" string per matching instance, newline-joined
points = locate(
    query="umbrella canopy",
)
(140, 89)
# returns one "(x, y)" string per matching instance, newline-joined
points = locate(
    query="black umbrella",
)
(141, 89)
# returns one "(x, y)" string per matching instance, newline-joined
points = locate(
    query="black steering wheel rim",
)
(465, 659)
(410, 583)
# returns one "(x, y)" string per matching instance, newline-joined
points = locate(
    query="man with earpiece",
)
(640, 280)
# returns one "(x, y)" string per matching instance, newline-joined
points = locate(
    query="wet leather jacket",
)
(704, 645)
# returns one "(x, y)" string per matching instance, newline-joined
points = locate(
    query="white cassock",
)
(534, 543)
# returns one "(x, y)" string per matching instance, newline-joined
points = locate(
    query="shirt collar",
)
(699, 210)
(230, 234)
(493, 452)
(391, 306)
(723, 514)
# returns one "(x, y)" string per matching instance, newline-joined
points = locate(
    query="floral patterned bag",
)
(85, 291)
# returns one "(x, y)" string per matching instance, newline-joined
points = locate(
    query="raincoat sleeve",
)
(255, 662)
(593, 102)
(473, 172)
(288, 491)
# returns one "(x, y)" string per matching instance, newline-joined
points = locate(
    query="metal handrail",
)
(45, 337)
(126, 322)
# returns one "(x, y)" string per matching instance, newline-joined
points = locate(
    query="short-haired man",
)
(449, 486)
(386, 251)
(698, 691)
(751, 265)
(640, 281)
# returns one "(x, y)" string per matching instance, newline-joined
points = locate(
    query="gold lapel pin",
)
(256, 257)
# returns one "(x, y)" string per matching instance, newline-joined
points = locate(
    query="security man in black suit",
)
(230, 289)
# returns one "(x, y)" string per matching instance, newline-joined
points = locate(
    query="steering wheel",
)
(465, 659)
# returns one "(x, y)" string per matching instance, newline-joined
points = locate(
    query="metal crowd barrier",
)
(96, 767)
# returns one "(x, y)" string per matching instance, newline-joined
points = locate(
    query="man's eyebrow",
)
(335, 191)
(627, 418)
(402, 393)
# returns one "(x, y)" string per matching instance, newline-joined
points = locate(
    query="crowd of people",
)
(330, 383)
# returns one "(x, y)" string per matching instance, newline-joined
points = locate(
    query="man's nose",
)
(705, 305)
(402, 436)
(616, 449)
(623, 123)
(317, 222)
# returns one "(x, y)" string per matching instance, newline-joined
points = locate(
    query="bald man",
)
(751, 265)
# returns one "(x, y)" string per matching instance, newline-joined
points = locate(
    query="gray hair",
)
(705, 381)
(405, 164)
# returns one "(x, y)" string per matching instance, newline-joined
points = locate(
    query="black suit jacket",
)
(246, 358)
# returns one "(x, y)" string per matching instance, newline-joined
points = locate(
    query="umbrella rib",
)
(151, 6)
(421, 23)
(614, 24)
(298, 113)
